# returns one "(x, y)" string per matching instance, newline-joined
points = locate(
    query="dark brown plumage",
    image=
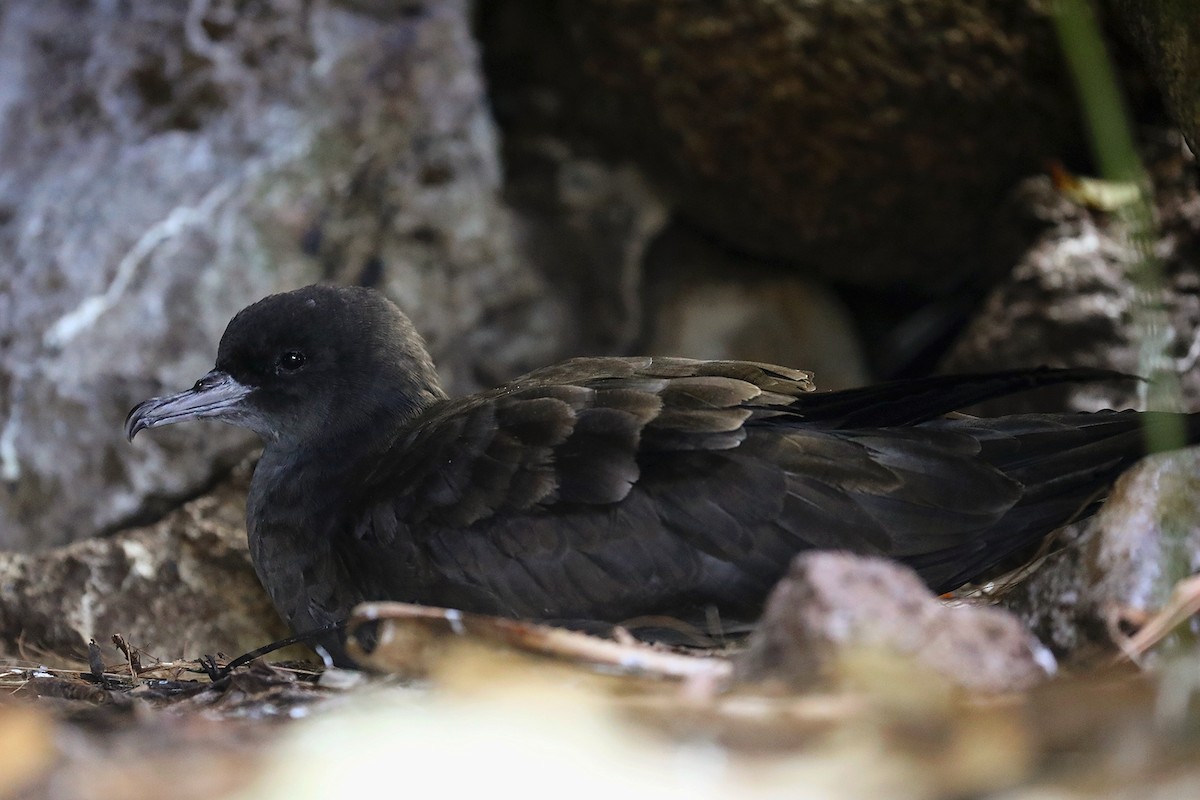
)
(604, 489)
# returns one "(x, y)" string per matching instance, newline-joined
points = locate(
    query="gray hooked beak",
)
(217, 394)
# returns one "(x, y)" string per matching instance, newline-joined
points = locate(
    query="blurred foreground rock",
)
(833, 607)
(180, 588)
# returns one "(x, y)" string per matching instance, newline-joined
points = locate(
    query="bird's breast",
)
(291, 523)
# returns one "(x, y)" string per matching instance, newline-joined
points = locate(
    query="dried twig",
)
(95, 661)
(1183, 603)
(403, 628)
(132, 657)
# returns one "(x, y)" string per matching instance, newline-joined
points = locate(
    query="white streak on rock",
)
(10, 464)
(83, 316)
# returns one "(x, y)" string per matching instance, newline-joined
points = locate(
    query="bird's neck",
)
(323, 471)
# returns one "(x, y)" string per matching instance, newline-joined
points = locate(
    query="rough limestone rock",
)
(870, 140)
(1074, 298)
(831, 606)
(164, 164)
(181, 588)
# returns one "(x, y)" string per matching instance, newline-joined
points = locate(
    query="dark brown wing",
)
(613, 488)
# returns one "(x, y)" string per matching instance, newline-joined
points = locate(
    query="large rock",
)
(162, 165)
(1167, 34)
(870, 140)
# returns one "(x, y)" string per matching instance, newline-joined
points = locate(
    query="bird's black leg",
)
(313, 638)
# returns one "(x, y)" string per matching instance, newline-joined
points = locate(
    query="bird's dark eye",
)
(291, 361)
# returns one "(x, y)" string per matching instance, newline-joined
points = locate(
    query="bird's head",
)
(298, 366)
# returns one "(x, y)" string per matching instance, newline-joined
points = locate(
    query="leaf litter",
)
(472, 703)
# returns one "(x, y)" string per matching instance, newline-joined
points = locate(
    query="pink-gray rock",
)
(832, 605)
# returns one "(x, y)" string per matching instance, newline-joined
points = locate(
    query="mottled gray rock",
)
(1076, 297)
(1123, 568)
(164, 164)
(870, 140)
(831, 606)
(178, 589)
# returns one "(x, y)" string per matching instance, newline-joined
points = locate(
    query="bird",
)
(603, 490)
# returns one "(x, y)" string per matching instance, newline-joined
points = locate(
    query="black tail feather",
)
(910, 401)
(1067, 463)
